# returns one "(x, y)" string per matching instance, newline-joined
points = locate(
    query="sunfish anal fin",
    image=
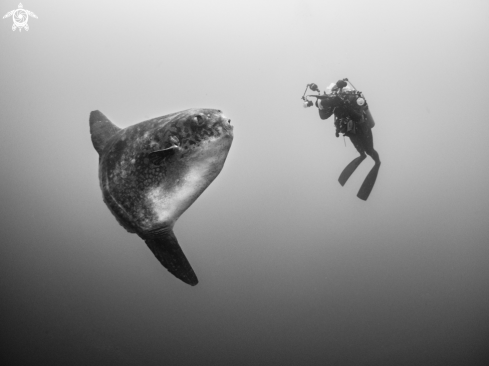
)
(164, 245)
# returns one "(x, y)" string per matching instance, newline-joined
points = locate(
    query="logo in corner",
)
(20, 17)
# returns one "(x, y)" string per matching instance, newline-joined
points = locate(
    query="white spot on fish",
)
(168, 204)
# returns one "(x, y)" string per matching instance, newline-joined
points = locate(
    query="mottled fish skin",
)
(145, 196)
(150, 173)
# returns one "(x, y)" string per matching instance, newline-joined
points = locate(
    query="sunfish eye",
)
(199, 119)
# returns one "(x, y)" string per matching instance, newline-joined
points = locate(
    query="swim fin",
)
(368, 183)
(350, 168)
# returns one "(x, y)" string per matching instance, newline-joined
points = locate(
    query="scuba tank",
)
(370, 120)
(361, 102)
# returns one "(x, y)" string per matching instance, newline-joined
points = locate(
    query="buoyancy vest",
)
(345, 107)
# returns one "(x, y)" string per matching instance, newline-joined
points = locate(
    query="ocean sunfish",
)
(151, 172)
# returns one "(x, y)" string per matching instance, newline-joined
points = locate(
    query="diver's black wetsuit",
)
(350, 119)
(353, 119)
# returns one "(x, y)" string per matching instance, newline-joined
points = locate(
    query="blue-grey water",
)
(294, 269)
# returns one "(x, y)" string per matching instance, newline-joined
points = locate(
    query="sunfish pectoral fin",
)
(157, 157)
(165, 247)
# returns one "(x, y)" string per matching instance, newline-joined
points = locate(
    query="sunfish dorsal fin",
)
(101, 130)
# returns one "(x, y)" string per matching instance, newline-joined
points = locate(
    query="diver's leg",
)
(350, 168)
(369, 182)
(369, 146)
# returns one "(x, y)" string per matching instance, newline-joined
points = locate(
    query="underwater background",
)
(294, 269)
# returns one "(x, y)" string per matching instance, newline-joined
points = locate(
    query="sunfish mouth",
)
(226, 122)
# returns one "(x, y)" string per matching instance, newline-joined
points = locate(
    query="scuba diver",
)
(353, 119)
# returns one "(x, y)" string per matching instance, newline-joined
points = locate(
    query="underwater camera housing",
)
(308, 103)
(337, 89)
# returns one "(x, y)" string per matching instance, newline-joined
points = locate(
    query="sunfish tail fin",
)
(101, 130)
(165, 247)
